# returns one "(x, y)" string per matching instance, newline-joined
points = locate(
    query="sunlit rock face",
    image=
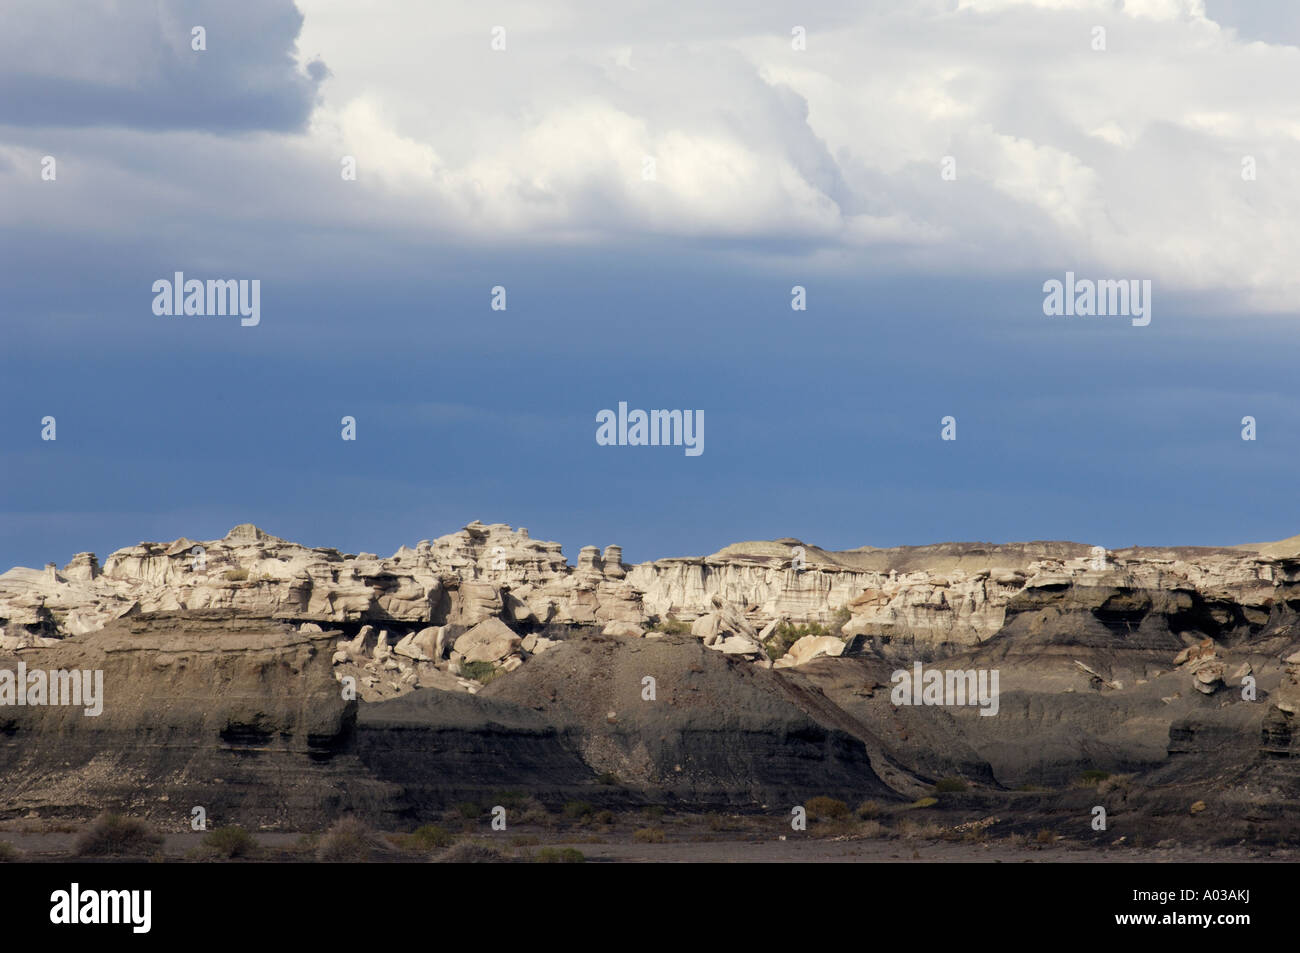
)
(945, 595)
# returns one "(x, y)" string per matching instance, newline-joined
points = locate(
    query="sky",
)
(648, 185)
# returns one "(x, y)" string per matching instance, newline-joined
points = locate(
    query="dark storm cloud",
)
(76, 63)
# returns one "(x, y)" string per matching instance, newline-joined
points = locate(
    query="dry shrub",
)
(112, 835)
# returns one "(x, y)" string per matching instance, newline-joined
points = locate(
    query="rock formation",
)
(483, 660)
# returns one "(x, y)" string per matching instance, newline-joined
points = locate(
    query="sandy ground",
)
(55, 847)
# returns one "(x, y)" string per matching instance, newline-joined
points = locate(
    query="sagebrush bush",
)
(578, 809)
(229, 842)
(112, 835)
(868, 810)
(348, 841)
(428, 837)
(648, 835)
(826, 808)
(1118, 785)
(533, 811)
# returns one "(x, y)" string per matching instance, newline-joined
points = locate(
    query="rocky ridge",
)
(953, 595)
(483, 660)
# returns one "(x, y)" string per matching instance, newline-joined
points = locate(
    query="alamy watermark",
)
(217, 296)
(946, 687)
(1105, 297)
(75, 906)
(57, 687)
(656, 428)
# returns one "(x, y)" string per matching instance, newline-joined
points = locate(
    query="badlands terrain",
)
(678, 709)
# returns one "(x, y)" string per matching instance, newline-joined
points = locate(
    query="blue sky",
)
(776, 168)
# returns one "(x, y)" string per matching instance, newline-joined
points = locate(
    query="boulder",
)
(429, 677)
(407, 648)
(1209, 678)
(426, 641)
(537, 644)
(517, 609)
(707, 628)
(489, 641)
(808, 648)
(1202, 649)
(358, 648)
(625, 629)
(738, 645)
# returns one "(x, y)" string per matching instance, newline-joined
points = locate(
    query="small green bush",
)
(671, 626)
(229, 842)
(428, 837)
(1093, 778)
(559, 855)
(8, 853)
(112, 835)
(478, 671)
(532, 811)
(648, 835)
(578, 809)
(235, 575)
(469, 810)
(949, 786)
